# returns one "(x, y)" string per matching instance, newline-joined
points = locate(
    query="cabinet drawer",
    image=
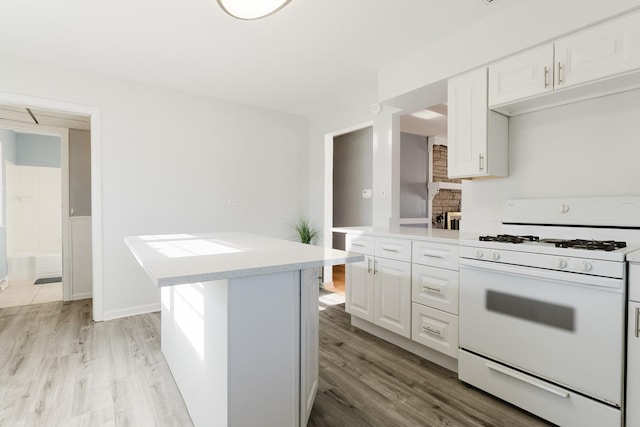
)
(359, 243)
(440, 255)
(435, 287)
(398, 249)
(435, 329)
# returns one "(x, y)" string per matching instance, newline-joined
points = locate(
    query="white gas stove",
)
(542, 307)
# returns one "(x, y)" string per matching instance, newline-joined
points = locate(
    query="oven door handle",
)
(524, 378)
(616, 285)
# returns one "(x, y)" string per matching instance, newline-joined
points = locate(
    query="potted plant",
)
(305, 231)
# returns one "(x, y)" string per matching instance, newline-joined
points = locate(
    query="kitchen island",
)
(239, 323)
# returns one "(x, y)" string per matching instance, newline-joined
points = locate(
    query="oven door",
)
(563, 327)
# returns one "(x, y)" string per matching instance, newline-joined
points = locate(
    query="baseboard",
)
(82, 295)
(131, 311)
(411, 346)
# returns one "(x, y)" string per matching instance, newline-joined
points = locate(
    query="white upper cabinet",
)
(477, 136)
(602, 51)
(521, 76)
(600, 60)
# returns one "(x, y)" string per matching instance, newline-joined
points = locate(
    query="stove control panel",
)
(592, 267)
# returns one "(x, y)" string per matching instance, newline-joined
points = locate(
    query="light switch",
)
(366, 193)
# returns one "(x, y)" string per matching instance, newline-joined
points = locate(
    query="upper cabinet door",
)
(521, 76)
(599, 52)
(467, 124)
(477, 137)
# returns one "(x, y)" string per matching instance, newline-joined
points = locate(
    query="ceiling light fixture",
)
(251, 9)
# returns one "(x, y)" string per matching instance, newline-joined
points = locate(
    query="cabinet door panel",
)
(467, 124)
(521, 76)
(435, 329)
(633, 366)
(309, 342)
(602, 51)
(435, 287)
(359, 289)
(393, 296)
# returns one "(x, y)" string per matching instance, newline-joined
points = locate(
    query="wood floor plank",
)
(62, 369)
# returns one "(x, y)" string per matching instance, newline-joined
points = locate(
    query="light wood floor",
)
(59, 368)
(337, 286)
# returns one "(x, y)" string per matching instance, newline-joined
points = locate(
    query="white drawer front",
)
(435, 287)
(440, 255)
(359, 243)
(551, 402)
(397, 249)
(435, 329)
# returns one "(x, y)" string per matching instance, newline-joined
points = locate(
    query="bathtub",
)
(34, 265)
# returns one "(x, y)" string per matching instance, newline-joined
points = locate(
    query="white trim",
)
(81, 295)
(328, 189)
(131, 311)
(96, 182)
(67, 286)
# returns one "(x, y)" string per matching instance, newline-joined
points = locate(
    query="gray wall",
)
(8, 139)
(37, 150)
(80, 172)
(414, 174)
(352, 172)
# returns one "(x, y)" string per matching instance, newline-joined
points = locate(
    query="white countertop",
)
(190, 258)
(404, 232)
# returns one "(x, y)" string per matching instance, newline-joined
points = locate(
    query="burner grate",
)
(599, 245)
(508, 238)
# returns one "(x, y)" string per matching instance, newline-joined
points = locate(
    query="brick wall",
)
(445, 200)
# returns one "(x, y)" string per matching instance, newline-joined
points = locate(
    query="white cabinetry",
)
(309, 342)
(379, 288)
(633, 348)
(434, 295)
(599, 54)
(477, 136)
(359, 278)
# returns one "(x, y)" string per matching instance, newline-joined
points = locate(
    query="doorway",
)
(348, 190)
(32, 218)
(73, 274)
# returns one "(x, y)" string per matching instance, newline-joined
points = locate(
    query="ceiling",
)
(309, 56)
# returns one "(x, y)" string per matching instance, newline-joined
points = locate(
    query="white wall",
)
(34, 209)
(170, 163)
(590, 148)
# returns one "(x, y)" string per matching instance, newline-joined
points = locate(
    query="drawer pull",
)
(431, 331)
(546, 77)
(532, 381)
(357, 244)
(375, 267)
(369, 265)
(637, 322)
(390, 250)
(432, 289)
(433, 254)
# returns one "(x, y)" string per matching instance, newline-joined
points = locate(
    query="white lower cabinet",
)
(309, 342)
(359, 292)
(392, 295)
(435, 328)
(434, 296)
(379, 289)
(408, 287)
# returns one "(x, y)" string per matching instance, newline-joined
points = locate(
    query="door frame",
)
(327, 235)
(96, 188)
